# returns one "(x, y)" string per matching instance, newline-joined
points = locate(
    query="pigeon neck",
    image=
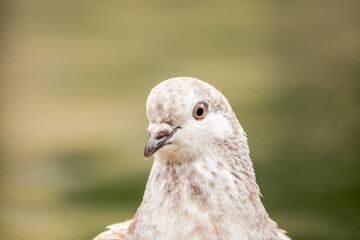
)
(212, 191)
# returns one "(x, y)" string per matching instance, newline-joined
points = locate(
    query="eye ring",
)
(200, 110)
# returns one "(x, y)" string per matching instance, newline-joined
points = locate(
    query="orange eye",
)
(200, 110)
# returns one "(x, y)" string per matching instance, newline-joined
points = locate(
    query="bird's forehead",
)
(175, 98)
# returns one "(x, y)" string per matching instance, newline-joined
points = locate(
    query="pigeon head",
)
(188, 117)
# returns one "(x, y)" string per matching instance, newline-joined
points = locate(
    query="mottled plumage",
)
(202, 183)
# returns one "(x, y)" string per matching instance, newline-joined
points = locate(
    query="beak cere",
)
(158, 139)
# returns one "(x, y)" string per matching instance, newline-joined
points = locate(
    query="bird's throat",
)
(183, 194)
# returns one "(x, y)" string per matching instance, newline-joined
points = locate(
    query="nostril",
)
(161, 135)
(158, 137)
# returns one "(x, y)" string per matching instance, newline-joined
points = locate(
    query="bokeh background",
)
(75, 76)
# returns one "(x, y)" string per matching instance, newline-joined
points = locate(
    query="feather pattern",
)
(202, 184)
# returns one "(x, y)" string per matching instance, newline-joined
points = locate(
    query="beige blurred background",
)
(75, 76)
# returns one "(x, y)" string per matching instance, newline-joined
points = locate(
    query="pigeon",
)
(202, 183)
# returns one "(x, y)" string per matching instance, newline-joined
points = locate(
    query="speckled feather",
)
(202, 185)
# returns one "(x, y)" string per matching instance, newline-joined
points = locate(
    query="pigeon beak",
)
(157, 140)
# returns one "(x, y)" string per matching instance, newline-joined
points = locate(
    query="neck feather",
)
(211, 191)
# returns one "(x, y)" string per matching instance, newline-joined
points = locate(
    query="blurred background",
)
(75, 76)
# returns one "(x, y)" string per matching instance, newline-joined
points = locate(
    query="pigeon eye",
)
(200, 110)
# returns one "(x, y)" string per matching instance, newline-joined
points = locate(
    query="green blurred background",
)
(75, 76)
